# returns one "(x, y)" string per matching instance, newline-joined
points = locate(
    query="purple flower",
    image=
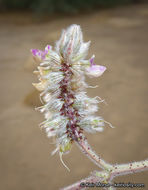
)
(40, 55)
(92, 60)
(94, 70)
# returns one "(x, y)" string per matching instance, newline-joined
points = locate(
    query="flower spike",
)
(68, 110)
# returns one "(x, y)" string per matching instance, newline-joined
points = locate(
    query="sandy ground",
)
(120, 42)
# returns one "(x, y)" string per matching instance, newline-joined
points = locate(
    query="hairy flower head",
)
(68, 110)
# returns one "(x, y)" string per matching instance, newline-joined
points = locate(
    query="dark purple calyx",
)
(74, 132)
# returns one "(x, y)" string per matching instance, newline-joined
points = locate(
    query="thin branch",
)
(109, 171)
(107, 176)
(134, 167)
(86, 148)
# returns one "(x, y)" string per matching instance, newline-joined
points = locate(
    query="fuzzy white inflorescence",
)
(67, 109)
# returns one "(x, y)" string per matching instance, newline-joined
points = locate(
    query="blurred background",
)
(118, 30)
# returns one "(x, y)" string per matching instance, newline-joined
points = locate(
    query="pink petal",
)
(40, 55)
(95, 70)
(47, 48)
(92, 60)
(34, 52)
